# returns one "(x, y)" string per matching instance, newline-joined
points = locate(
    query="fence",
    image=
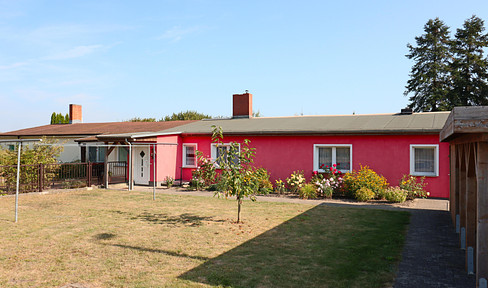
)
(40, 177)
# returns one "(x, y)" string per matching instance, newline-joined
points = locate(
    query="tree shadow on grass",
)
(182, 219)
(186, 219)
(101, 237)
(322, 247)
(161, 251)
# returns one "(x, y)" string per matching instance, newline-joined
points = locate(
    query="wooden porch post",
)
(482, 203)
(105, 165)
(471, 207)
(462, 195)
(454, 192)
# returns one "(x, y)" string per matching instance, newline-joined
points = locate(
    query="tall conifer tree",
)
(470, 66)
(429, 78)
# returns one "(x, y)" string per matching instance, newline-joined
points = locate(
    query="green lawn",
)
(125, 239)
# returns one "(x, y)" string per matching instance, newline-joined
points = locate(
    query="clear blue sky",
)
(124, 59)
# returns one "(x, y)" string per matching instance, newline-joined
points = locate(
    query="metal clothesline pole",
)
(17, 185)
(154, 172)
(19, 141)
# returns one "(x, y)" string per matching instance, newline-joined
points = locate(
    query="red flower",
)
(339, 172)
(322, 166)
(331, 168)
(334, 165)
(335, 171)
(338, 164)
(315, 172)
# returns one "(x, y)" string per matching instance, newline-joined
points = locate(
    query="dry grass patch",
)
(125, 239)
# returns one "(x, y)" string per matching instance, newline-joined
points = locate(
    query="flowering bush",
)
(260, 179)
(395, 194)
(295, 181)
(308, 191)
(364, 194)
(325, 187)
(414, 186)
(279, 186)
(205, 175)
(329, 182)
(364, 178)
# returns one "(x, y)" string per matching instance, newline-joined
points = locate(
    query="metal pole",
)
(17, 188)
(154, 172)
(130, 166)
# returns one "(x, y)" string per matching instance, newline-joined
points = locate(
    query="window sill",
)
(189, 166)
(425, 174)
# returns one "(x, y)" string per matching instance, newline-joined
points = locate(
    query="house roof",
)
(428, 122)
(93, 129)
(416, 123)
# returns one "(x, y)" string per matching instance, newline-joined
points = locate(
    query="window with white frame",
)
(190, 155)
(219, 153)
(326, 155)
(424, 160)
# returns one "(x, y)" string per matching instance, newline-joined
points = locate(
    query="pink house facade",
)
(391, 144)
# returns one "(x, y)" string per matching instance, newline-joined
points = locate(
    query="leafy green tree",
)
(187, 115)
(45, 152)
(429, 81)
(58, 118)
(237, 176)
(137, 119)
(470, 66)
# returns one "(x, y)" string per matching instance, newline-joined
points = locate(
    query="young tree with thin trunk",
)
(237, 170)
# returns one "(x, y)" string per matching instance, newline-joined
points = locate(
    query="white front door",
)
(141, 165)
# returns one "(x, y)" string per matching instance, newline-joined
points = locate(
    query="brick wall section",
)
(75, 115)
(242, 105)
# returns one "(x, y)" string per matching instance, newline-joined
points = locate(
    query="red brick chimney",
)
(242, 105)
(75, 115)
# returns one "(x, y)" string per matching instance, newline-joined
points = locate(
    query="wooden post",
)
(453, 193)
(105, 169)
(105, 165)
(89, 174)
(471, 207)
(482, 230)
(462, 194)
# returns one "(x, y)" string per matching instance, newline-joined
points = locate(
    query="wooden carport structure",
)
(466, 129)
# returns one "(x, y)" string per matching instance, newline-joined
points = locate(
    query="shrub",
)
(308, 191)
(279, 186)
(395, 194)
(205, 174)
(364, 178)
(261, 179)
(414, 186)
(328, 183)
(295, 181)
(364, 194)
(325, 186)
(169, 181)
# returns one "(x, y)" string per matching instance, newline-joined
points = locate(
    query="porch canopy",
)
(131, 141)
(466, 129)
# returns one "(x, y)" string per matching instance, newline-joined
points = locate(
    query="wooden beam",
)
(453, 182)
(105, 163)
(482, 203)
(471, 203)
(462, 194)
